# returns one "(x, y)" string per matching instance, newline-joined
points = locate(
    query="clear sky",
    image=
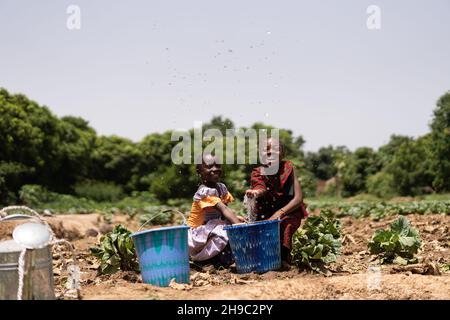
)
(137, 67)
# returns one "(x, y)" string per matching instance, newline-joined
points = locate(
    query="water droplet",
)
(269, 33)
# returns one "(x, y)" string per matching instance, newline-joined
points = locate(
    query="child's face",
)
(210, 171)
(273, 152)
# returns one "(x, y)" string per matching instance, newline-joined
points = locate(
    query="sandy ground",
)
(354, 276)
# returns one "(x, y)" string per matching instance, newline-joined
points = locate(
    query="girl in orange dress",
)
(208, 241)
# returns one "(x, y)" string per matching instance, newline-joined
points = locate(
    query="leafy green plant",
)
(380, 209)
(445, 267)
(318, 242)
(116, 252)
(398, 245)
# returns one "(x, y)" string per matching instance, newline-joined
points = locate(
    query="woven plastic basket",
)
(256, 246)
(163, 254)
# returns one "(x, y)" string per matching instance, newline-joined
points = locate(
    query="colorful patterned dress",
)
(280, 191)
(207, 238)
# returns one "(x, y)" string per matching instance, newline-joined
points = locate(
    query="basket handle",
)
(17, 217)
(35, 216)
(164, 211)
(4, 214)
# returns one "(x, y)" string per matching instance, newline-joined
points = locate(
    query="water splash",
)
(73, 280)
(249, 204)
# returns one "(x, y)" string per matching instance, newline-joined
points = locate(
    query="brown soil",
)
(348, 278)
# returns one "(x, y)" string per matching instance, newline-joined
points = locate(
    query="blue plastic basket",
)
(256, 246)
(163, 254)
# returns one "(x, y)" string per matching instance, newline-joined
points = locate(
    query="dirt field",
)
(349, 278)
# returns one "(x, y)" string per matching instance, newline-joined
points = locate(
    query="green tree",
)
(440, 151)
(48, 151)
(115, 159)
(217, 122)
(323, 163)
(173, 182)
(72, 157)
(382, 185)
(358, 167)
(410, 166)
(388, 151)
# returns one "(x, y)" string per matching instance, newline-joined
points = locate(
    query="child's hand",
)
(275, 216)
(242, 219)
(251, 193)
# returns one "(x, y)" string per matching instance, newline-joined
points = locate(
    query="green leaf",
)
(407, 241)
(319, 240)
(399, 244)
(329, 258)
(400, 260)
(116, 251)
(401, 226)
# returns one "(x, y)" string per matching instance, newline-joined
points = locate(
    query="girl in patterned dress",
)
(208, 241)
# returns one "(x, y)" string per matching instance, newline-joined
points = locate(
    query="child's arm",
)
(228, 213)
(293, 204)
(258, 186)
(254, 193)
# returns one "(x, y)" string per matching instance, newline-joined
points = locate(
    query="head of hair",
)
(201, 161)
(280, 145)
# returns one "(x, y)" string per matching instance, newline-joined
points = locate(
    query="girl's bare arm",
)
(294, 203)
(228, 213)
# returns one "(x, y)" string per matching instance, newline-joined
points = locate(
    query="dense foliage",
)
(66, 156)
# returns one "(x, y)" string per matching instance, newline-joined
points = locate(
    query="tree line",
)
(66, 155)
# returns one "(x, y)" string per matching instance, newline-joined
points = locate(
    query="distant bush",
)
(308, 183)
(330, 189)
(364, 197)
(34, 195)
(183, 205)
(99, 191)
(435, 197)
(157, 215)
(381, 185)
(143, 196)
